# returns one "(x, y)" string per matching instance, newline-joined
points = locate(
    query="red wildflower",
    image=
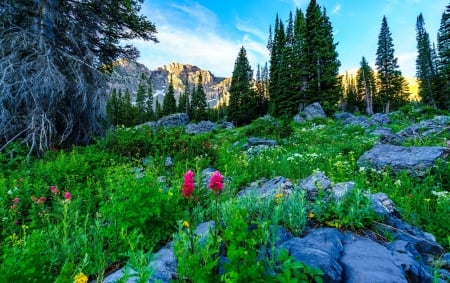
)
(188, 184)
(16, 200)
(216, 182)
(67, 195)
(54, 190)
(41, 200)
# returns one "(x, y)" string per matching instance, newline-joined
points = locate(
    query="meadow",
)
(76, 215)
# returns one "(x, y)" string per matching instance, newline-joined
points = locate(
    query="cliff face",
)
(129, 74)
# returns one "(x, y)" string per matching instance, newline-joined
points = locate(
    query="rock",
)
(415, 160)
(342, 189)
(201, 127)
(174, 120)
(425, 243)
(364, 260)
(383, 205)
(315, 184)
(344, 116)
(226, 125)
(428, 127)
(164, 264)
(388, 137)
(259, 141)
(321, 248)
(299, 119)
(269, 188)
(380, 119)
(168, 162)
(314, 111)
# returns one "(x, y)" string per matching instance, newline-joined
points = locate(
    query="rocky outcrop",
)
(174, 120)
(200, 127)
(425, 128)
(376, 120)
(414, 160)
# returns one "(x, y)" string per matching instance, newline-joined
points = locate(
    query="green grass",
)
(116, 219)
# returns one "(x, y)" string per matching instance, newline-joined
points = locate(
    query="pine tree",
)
(140, 104)
(300, 50)
(242, 106)
(366, 85)
(158, 110)
(275, 79)
(169, 103)
(322, 65)
(425, 69)
(443, 98)
(113, 108)
(183, 101)
(387, 67)
(350, 93)
(64, 48)
(198, 105)
(149, 102)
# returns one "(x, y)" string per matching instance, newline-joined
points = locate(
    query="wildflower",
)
(34, 198)
(16, 200)
(188, 184)
(185, 224)
(80, 278)
(216, 182)
(278, 197)
(398, 183)
(311, 215)
(41, 200)
(54, 190)
(67, 195)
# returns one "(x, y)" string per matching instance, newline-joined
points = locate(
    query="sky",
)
(209, 34)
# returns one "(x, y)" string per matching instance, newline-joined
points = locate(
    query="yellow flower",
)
(185, 224)
(311, 215)
(80, 278)
(278, 197)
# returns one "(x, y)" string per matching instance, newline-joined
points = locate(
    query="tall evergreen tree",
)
(350, 93)
(198, 104)
(183, 101)
(300, 50)
(113, 108)
(366, 85)
(141, 113)
(242, 106)
(169, 103)
(322, 64)
(53, 55)
(276, 46)
(158, 110)
(425, 69)
(149, 101)
(443, 98)
(387, 67)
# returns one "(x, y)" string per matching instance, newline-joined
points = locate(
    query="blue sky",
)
(209, 34)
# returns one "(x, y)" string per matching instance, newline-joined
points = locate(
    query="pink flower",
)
(188, 184)
(41, 200)
(216, 182)
(67, 195)
(54, 190)
(16, 200)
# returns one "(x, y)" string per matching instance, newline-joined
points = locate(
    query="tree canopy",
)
(53, 59)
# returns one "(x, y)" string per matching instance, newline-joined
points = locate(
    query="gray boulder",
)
(380, 119)
(428, 127)
(388, 137)
(415, 160)
(173, 120)
(364, 260)
(252, 141)
(201, 127)
(314, 111)
(268, 188)
(321, 248)
(299, 119)
(316, 183)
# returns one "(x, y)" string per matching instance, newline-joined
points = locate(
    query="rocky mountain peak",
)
(129, 74)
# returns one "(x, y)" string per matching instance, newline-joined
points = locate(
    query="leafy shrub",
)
(269, 127)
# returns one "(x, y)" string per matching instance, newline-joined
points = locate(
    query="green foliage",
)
(198, 103)
(294, 271)
(243, 102)
(270, 128)
(169, 103)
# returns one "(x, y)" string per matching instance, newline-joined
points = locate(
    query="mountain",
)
(129, 74)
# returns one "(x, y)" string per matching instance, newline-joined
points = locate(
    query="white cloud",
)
(199, 42)
(336, 9)
(249, 28)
